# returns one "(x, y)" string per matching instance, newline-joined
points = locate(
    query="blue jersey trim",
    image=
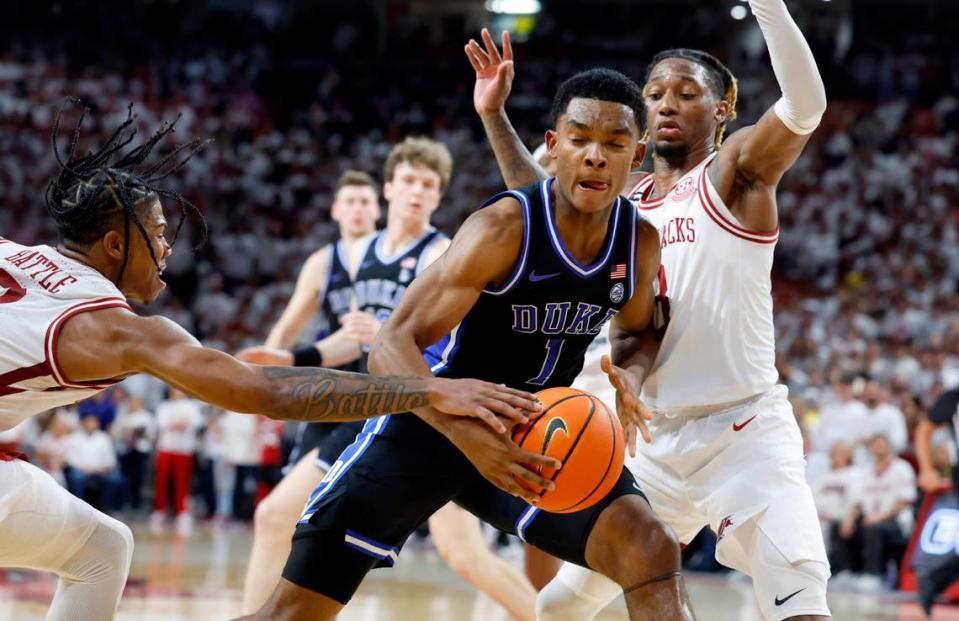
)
(583, 271)
(399, 255)
(350, 455)
(524, 520)
(520, 266)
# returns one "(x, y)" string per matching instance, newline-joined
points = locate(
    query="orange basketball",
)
(578, 430)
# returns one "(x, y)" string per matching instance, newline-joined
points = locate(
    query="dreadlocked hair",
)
(93, 192)
(720, 78)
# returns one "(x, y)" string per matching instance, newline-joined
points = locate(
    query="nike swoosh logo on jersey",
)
(780, 602)
(740, 426)
(534, 277)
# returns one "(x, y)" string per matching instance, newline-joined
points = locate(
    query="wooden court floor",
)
(199, 579)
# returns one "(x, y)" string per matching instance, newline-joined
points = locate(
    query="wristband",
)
(308, 356)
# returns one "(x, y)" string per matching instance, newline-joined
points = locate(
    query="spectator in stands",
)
(178, 421)
(842, 418)
(834, 494)
(881, 417)
(54, 446)
(134, 431)
(100, 405)
(92, 462)
(881, 510)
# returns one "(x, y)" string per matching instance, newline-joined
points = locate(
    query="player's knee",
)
(105, 557)
(271, 520)
(461, 559)
(118, 544)
(630, 544)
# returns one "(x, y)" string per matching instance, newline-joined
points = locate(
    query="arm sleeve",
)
(803, 99)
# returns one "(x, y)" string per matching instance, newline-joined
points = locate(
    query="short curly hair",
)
(423, 151)
(603, 84)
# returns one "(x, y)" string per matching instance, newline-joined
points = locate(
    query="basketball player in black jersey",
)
(364, 286)
(324, 288)
(525, 286)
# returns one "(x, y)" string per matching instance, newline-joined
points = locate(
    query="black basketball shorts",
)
(396, 474)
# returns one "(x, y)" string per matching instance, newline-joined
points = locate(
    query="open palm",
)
(494, 72)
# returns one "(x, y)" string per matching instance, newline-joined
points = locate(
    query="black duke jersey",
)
(337, 294)
(532, 331)
(381, 281)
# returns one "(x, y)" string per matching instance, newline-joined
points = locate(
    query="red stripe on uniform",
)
(53, 333)
(727, 224)
(24, 373)
(724, 224)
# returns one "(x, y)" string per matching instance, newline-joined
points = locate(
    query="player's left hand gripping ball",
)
(632, 414)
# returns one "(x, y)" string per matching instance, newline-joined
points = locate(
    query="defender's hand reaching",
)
(632, 413)
(482, 400)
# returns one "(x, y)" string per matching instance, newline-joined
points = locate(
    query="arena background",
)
(294, 93)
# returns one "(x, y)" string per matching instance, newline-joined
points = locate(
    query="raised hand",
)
(261, 354)
(494, 72)
(485, 401)
(632, 413)
(500, 460)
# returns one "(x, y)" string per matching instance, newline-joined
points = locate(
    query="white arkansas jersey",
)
(39, 290)
(714, 299)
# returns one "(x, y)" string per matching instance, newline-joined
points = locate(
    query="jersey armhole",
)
(522, 260)
(331, 263)
(53, 334)
(420, 262)
(719, 213)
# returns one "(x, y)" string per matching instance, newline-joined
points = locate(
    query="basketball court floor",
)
(199, 578)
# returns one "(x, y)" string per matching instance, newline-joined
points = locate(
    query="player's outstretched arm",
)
(759, 155)
(114, 343)
(494, 79)
(484, 251)
(632, 339)
(303, 303)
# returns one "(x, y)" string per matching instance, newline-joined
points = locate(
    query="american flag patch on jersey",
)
(618, 272)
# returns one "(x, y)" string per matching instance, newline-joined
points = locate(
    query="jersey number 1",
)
(553, 348)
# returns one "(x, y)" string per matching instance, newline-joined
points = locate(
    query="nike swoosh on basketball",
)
(780, 602)
(740, 426)
(534, 277)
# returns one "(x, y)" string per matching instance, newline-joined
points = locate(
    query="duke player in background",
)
(527, 283)
(725, 449)
(327, 274)
(417, 172)
(68, 332)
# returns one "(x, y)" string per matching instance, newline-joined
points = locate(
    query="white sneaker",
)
(157, 523)
(184, 524)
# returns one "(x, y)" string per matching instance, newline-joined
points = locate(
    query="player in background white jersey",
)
(67, 332)
(724, 450)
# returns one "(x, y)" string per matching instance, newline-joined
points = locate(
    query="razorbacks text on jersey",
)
(532, 331)
(714, 298)
(40, 289)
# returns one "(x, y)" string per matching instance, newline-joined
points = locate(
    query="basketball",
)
(579, 430)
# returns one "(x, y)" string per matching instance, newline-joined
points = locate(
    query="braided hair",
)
(721, 79)
(92, 192)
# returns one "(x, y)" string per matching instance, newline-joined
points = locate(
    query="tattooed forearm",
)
(516, 163)
(317, 395)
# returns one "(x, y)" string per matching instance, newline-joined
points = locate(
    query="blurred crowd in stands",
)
(867, 307)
